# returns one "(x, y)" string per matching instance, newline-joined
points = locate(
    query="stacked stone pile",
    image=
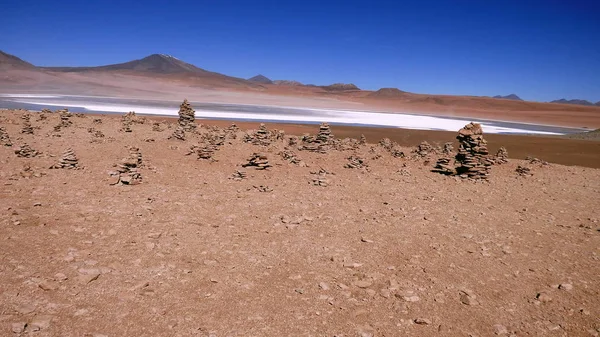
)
(128, 169)
(321, 143)
(444, 165)
(4, 137)
(523, 170)
(97, 121)
(262, 136)
(502, 156)
(424, 149)
(65, 119)
(46, 111)
(355, 162)
(156, 127)
(27, 128)
(203, 152)
(187, 116)
(258, 161)
(127, 120)
(363, 140)
(472, 157)
(42, 117)
(68, 160)
(392, 147)
(290, 156)
(448, 149)
(178, 133)
(26, 151)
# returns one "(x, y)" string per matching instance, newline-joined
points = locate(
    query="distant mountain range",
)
(511, 96)
(576, 102)
(175, 70)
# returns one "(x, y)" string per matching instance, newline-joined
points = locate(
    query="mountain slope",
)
(8, 61)
(260, 79)
(573, 101)
(155, 63)
(511, 96)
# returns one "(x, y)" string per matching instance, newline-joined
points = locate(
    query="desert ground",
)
(150, 235)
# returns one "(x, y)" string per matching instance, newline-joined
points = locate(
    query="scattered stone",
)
(26, 151)
(536, 161)
(239, 175)
(97, 120)
(291, 157)
(565, 286)
(4, 137)
(27, 128)
(18, 327)
(468, 298)
(258, 161)
(523, 170)
(46, 111)
(543, 297)
(68, 160)
(422, 321)
(355, 162)
(320, 178)
(472, 156)
(40, 322)
(500, 329)
(263, 188)
(48, 285)
(324, 286)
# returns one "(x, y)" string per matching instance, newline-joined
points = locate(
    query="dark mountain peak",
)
(260, 79)
(10, 61)
(341, 87)
(573, 101)
(511, 96)
(387, 93)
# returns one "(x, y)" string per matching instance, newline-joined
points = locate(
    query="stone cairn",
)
(179, 133)
(523, 171)
(187, 116)
(448, 149)
(26, 151)
(127, 120)
(65, 119)
(258, 161)
(42, 116)
(445, 164)
(97, 121)
(321, 143)
(68, 160)
(391, 147)
(363, 140)
(46, 111)
(27, 128)
(4, 137)
(96, 133)
(262, 136)
(128, 169)
(319, 178)
(355, 162)
(424, 149)
(502, 156)
(156, 127)
(239, 175)
(203, 152)
(472, 157)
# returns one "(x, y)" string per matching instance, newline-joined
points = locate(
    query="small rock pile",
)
(27, 128)
(239, 175)
(448, 149)
(127, 120)
(424, 149)
(187, 116)
(523, 171)
(258, 161)
(26, 151)
(391, 147)
(262, 136)
(321, 143)
(46, 111)
(68, 160)
(97, 121)
(4, 137)
(536, 161)
(128, 169)
(363, 140)
(96, 133)
(472, 156)
(319, 178)
(179, 133)
(156, 127)
(203, 152)
(65, 119)
(290, 156)
(502, 156)
(444, 165)
(355, 162)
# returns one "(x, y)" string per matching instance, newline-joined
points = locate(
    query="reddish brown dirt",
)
(191, 252)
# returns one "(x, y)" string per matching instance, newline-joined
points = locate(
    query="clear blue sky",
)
(540, 50)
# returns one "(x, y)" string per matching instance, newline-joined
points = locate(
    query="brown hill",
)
(340, 87)
(387, 93)
(286, 82)
(8, 61)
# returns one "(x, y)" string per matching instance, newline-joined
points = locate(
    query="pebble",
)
(37, 204)
(366, 240)
(500, 329)
(324, 286)
(422, 321)
(468, 299)
(385, 293)
(154, 235)
(543, 297)
(60, 277)
(408, 296)
(25, 309)
(363, 283)
(565, 286)
(40, 322)
(352, 265)
(48, 285)
(19, 327)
